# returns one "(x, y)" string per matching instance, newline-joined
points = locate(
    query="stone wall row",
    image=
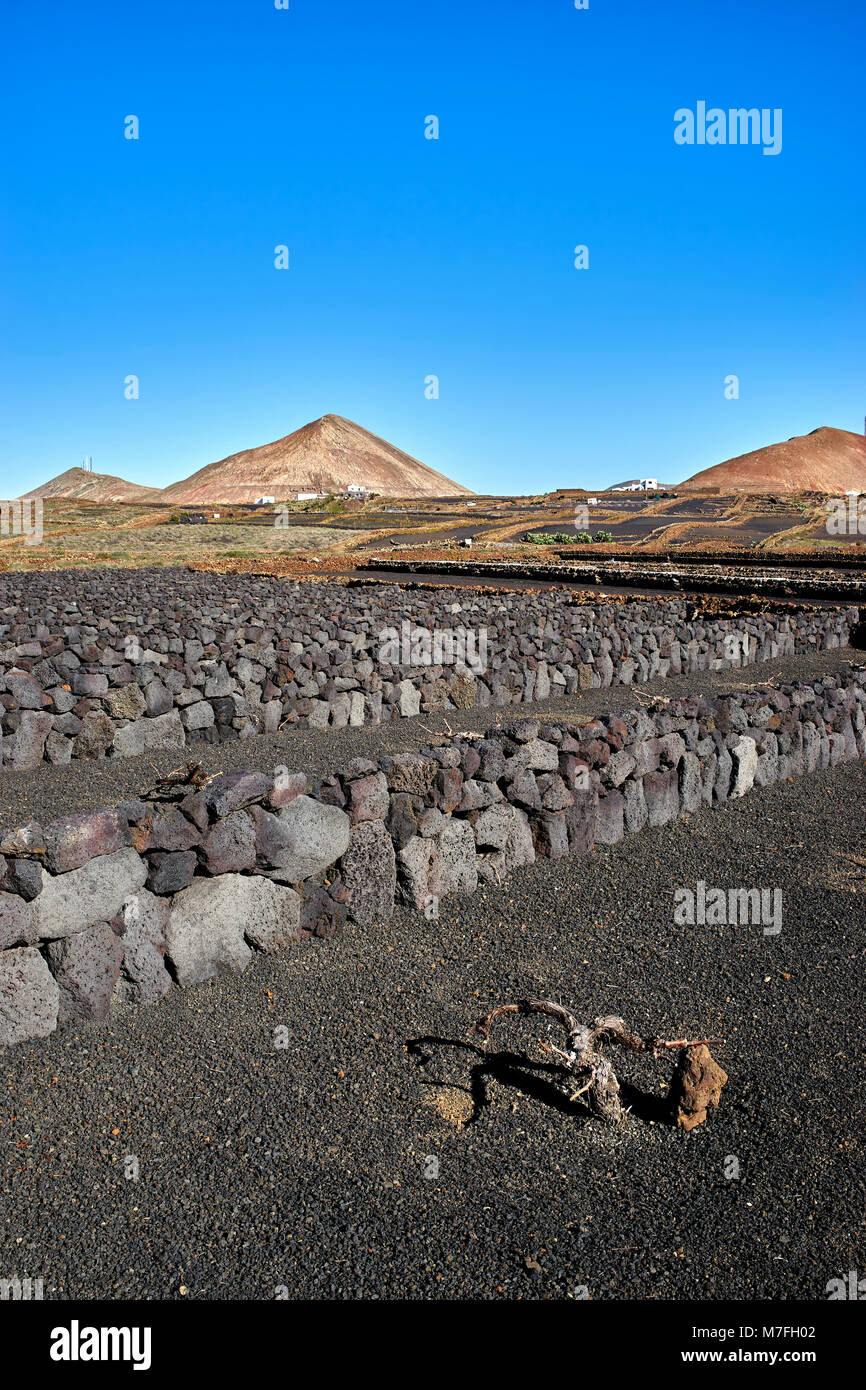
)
(128, 662)
(118, 905)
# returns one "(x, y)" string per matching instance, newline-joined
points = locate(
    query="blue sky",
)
(411, 257)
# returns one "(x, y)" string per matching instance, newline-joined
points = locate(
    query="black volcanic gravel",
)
(304, 1166)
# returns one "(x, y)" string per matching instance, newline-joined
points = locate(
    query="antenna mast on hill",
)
(88, 464)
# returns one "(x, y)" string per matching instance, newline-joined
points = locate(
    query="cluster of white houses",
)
(354, 490)
(638, 485)
(357, 492)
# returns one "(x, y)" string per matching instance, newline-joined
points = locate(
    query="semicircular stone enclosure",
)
(121, 663)
(120, 905)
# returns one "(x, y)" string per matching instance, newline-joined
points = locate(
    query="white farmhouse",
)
(637, 485)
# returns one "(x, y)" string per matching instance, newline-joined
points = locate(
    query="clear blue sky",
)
(412, 257)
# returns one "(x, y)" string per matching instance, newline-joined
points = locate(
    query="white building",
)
(307, 496)
(638, 485)
(264, 501)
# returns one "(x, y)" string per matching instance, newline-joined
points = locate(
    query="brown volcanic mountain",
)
(324, 456)
(827, 460)
(95, 487)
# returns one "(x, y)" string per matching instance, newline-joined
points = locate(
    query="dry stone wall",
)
(117, 663)
(118, 905)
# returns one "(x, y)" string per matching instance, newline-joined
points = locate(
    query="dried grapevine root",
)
(697, 1080)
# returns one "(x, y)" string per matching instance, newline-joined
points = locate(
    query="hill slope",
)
(324, 456)
(827, 460)
(94, 487)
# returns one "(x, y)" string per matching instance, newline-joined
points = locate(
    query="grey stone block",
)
(610, 823)
(310, 836)
(369, 872)
(165, 731)
(86, 967)
(17, 927)
(140, 925)
(229, 846)
(29, 996)
(24, 751)
(96, 892)
(745, 762)
(205, 935)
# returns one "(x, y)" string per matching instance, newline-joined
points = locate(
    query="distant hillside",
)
(94, 487)
(828, 460)
(323, 456)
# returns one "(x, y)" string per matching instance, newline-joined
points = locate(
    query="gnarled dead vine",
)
(697, 1080)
